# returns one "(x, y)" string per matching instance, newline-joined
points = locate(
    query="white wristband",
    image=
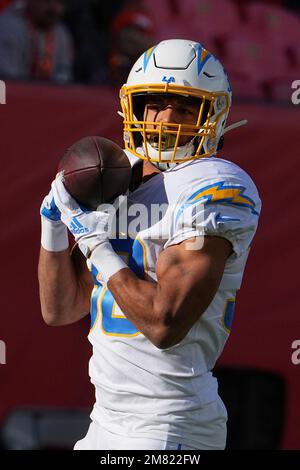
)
(54, 235)
(106, 260)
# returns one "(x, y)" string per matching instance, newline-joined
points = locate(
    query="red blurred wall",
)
(49, 366)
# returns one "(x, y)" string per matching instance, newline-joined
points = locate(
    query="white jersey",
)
(139, 387)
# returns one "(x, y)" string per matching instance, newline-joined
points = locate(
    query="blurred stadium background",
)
(45, 394)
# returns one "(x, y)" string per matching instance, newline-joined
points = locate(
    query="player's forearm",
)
(146, 305)
(61, 299)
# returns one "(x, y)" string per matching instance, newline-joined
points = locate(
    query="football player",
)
(161, 300)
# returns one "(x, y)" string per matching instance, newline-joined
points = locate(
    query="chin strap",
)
(235, 126)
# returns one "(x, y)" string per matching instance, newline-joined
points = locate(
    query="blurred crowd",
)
(64, 41)
(97, 42)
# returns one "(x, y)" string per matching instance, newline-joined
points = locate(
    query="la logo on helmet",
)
(168, 80)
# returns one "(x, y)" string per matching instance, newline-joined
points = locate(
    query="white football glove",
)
(54, 235)
(91, 230)
(88, 228)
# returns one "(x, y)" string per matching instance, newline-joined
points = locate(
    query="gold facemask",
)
(165, 137)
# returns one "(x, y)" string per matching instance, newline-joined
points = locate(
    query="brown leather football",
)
(96, 171)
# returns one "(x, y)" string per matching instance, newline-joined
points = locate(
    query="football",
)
(96, 171)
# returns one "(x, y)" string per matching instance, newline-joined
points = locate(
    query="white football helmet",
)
(176, 67)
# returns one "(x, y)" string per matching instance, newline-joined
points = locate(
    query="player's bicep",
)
(189, 280)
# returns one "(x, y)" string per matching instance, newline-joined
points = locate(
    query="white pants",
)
(98, 438)
(210, 429)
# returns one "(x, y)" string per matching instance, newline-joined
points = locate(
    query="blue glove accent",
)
(52, 213)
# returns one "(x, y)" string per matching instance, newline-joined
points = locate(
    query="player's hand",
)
(89, 228)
